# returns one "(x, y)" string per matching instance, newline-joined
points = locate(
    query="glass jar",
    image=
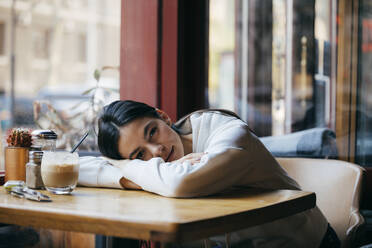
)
(33, 170)
(45, 140)
(60, 171)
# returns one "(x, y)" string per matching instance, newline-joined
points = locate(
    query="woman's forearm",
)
(215, 172)
(97, 172)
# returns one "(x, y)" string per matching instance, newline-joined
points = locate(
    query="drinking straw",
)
(80, 141)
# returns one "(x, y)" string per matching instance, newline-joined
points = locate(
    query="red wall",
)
(148, 53)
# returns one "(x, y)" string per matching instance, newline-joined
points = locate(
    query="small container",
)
(16, 159)
(60, 171)
(44, 139)
(33, 170)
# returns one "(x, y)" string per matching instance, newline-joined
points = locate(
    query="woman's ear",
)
(164, 116)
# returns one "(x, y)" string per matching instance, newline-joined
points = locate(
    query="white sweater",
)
(234, 157)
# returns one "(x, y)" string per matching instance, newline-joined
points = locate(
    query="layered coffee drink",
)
(60, 171)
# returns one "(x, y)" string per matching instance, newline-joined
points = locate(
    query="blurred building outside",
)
(57, 49)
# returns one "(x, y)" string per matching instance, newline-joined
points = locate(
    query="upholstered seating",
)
(311, 143)
(337, 185)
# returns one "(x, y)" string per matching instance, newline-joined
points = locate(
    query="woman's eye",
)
(139, 155)
(153, 131)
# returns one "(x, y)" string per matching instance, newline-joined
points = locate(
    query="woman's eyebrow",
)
(145, 133)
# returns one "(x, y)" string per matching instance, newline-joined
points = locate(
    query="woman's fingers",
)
(128, 184)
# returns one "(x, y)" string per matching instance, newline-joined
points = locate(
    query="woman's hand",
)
(125, 183)
(128, 184)
(193, 158)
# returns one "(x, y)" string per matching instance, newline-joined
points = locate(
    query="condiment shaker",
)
(45, 140)
(33, 170)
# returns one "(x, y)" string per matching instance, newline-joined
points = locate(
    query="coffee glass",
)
(60, 171)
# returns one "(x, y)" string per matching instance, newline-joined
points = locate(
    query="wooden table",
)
(142, 215)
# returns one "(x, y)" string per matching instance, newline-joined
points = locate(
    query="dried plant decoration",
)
(19, 137)
(16, 153)
(72, 123)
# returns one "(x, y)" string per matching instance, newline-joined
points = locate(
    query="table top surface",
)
(142, 215)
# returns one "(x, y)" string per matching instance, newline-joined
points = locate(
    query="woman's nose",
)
(157, 150)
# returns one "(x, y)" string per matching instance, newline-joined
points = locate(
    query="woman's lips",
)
(169, 155)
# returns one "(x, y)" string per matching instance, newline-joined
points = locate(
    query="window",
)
(59, 45)
(288, 65)
(41, 43)
(2, 38)
(221, 55)
(279, 76)
(364, 99)
(74, 45)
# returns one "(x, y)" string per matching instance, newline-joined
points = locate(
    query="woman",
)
(202, 154)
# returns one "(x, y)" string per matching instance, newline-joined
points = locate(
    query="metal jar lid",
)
(36, 154)
(43, 134)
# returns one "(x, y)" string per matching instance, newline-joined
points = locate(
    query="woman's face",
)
(145, 138)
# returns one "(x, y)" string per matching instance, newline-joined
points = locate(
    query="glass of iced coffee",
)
(60, 171)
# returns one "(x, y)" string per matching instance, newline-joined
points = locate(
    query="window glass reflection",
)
(57, 47)
(364, 105)
(277, 74)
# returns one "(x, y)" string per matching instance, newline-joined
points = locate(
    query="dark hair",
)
(114, 116)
